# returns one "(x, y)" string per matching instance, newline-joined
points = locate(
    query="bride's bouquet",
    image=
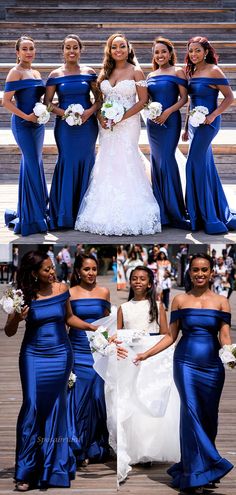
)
(12, 301)
(197, 115)
(42, 113)
(228, 355)
(113, 111)
(99, 342)
(73, 113)
(152, 110)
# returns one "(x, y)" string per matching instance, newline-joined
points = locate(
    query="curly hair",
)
(108, 63)
(26, 281)
(151, 292)
(211, 57)
(79, 260)
(169, 45)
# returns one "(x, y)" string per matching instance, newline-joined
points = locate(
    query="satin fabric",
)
(205, 198)
(199, 377)
(163, 143)
(86, 400)
(32, 192)
(76, 151)
(43, 454)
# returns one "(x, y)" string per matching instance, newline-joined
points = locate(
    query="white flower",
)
(99, 341)
(44, 118)
(7, 305)
(228, 355)
(77, 108)
(72, 379)
(70, 120)
(153, 110)
(113, 111)
(197, 115)
(39, 109)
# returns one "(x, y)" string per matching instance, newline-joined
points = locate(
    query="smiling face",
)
(140, 282)
(119, 49)
(161, 54)
(88, 271)
(200, 272)
(71, 50)
(196, 53)
(46, 273)
(26, 52)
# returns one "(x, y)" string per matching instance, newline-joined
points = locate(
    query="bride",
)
(119, 199)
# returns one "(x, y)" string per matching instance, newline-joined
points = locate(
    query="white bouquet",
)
(42, 113)
(73, 114)
(12, 301)
(113, 111)
(228, 355)
(99, 342)
(152, 110)
(197, 115)
(72, 379)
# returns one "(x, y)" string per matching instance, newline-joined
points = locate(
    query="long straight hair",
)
(151, 292)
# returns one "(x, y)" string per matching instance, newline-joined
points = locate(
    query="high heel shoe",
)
(22, 486)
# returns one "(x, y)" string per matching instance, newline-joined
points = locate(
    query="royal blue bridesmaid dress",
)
(205, 198)
(32, 193)
(76, 151)
(43, 454)
(86, 401)
(163, 141)
(199, 377)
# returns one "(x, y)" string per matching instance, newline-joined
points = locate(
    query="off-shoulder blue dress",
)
(43, 454)
(199, 377)
(76, 151)
(163, 143)
(32, 193)
(86, 401)
(205, 198)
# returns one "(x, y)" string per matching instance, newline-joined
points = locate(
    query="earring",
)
(205, 57)
(36, 279)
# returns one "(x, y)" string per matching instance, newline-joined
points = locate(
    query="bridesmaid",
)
(205, 198)
(43, 456)
(167, 85)
(25, 84)
(86, 402)
(76, 144)
(204, 319)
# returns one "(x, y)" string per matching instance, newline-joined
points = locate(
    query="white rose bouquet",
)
(197, 115)
(99, 342)
(12, 301)
(113, 111)
(73, 114)
(152, 110)
(42, 113)
(72, 379)
(228, 355)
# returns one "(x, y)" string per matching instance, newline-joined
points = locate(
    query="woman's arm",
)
(50, 92)
(119, 319)
(142, 93)
(224, 334)
(96, 105)
(162, 320)
(10, 105)
(183, 92)
(13, 321)
(76, 322)
(227, 101)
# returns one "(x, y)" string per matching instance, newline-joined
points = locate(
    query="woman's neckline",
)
(200, 309)
(49, 297)
(118, 82)
(89, 299)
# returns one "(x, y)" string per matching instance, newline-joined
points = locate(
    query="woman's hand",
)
(209, 118)
(163, 117)
(85, 115)
(102, 121)
(31, 118)
(23, 314)
(140, 357)
(122, 353)
(185, 136)
(93, 328)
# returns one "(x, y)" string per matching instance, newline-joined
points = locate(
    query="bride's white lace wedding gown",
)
(119, 199)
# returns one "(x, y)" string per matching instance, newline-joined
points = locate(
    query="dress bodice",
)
(200, 327)
(124, 92)
(27, 93)
(73, 89)
(136, 316)
(201, 92)
(90, 309)
(46, 319)
(164, 89)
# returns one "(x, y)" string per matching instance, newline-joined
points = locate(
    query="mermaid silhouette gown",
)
(86, 401)
(43, 455)
(199, 377)
(205, 198)
(119, 177)
(163, 143)
(76, 149)
(32, 192)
